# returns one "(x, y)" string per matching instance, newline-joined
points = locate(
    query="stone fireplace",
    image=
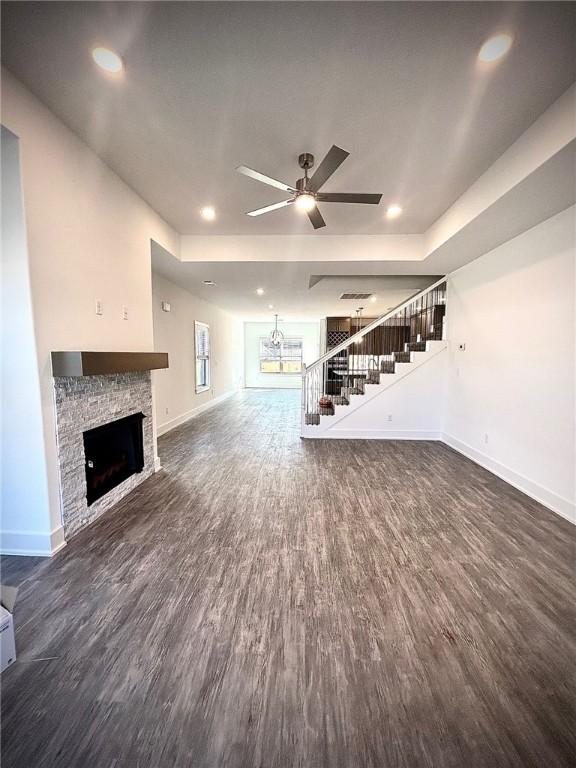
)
(104, 433)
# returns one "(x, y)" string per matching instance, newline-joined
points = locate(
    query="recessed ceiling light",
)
(494, 48)
(108, 60)
(393, 211)
(260, 291)
(373, 299)
(270, 306)
(208, 282)
(208, 213)
(305, 202)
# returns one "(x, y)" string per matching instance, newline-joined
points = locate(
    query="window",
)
(286, 358)
(202, 336)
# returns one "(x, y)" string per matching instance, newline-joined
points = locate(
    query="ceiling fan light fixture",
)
(305, 202)
(306, 193)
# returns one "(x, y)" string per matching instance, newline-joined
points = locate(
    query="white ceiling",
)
(209, 86)
(297, 290)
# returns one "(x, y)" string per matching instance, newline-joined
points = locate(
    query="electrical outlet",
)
(486, 437)
(389, 417)
(462, 347)
(99, 307)
(166, 411)
(124, 312)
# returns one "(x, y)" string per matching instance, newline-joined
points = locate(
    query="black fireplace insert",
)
(113, 452)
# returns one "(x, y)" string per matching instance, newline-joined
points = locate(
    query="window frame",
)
(261, 359)
(198, 324)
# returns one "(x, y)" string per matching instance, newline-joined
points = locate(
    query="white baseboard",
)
(57, 539)
(167, 426)
(563, 507)
(372, 434)
(157, 465)
(32, 543)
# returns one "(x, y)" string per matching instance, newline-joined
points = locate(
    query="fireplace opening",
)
(113, 452)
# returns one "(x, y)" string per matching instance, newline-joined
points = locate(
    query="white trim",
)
(561, 506)
(373, 434)
(157, 464)
(57, 539)
(32, 543)
(168, 426)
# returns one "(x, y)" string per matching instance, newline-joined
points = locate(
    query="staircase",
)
(374, 359)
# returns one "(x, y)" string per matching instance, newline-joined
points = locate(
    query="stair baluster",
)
(374, 351)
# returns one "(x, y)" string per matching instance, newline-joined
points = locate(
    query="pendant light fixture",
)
(276, 337)
(359, 322)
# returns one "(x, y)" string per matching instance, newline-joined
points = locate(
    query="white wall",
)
(510, 396)
(313, 247)
(25, 509)
(309, 332)
(411, 409)
(175, 389)
(508, 400)
(88, 238)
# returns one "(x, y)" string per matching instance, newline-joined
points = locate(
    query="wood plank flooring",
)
(269, 602)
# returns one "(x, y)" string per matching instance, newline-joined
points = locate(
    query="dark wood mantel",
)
(102, 363)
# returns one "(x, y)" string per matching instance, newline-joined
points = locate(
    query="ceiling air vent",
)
(355, 296)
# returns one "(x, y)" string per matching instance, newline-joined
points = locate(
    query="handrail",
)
(370, 327)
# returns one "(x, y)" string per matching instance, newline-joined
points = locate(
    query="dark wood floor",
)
(271, 602)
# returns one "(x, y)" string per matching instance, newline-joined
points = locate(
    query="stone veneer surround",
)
(85, 402)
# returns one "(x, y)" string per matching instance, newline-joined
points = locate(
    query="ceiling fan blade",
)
(268, 208)
(333, 160)
(316, 218)
(265, 179)
(348, 197)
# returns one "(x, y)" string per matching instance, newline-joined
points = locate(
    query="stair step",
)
(417, 346)
(387, 366)
(402, 357)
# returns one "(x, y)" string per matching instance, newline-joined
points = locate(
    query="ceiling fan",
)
(306, 193)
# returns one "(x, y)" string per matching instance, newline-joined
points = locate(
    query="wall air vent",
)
(355, 296)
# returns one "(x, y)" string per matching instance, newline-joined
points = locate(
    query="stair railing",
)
(375, 349)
